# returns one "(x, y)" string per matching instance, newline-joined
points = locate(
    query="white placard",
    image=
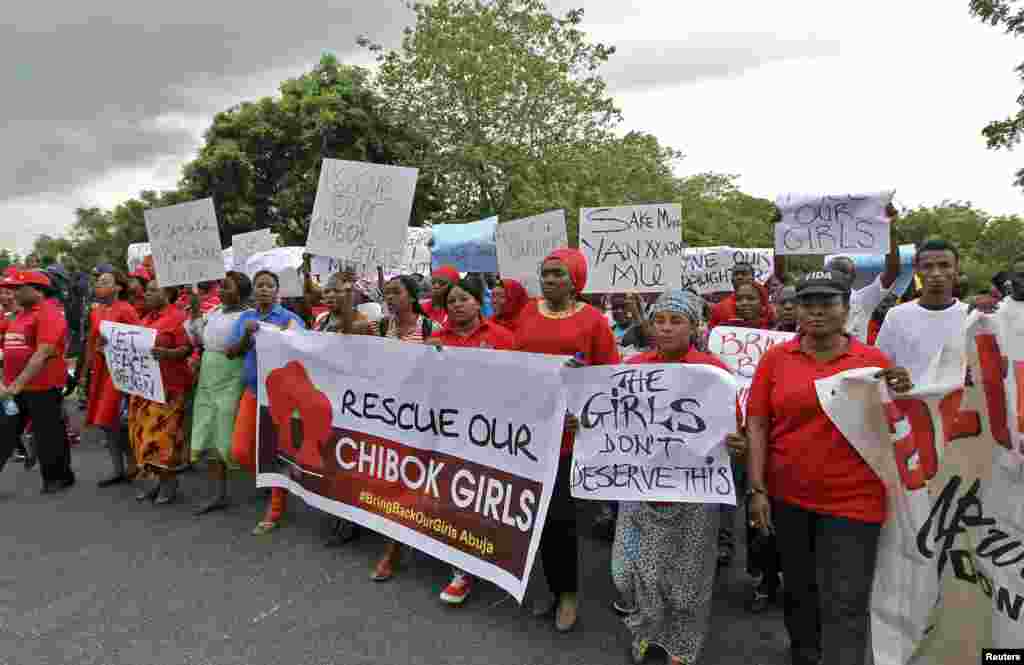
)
(652, 432)
(741, 350)
(833, 224)
(130, 361)
(244, 245)
(523, 244)
(709, 269)
(633, 248)
(186, 243)
(361, 212)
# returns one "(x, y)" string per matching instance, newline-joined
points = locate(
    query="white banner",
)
(839, 224)
(632, 248)
(709, 269)
(523, 244)
(950, 574)
(652, 432)
(244, 245)
(741, 350)
(361, 212)
(185, 243)
(400, 438)
(130, 361)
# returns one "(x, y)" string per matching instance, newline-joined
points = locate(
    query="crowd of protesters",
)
(812, 506)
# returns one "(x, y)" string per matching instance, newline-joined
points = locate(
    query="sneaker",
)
(458, 589)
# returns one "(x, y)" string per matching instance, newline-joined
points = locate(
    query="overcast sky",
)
(816, 95)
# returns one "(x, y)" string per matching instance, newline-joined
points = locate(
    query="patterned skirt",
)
(664, 560)
(157, 433)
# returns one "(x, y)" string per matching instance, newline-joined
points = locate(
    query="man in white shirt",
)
(863, 302)
(927, 335)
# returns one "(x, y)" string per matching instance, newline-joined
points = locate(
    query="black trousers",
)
(45, 409)
(829, 564)
(558, 541)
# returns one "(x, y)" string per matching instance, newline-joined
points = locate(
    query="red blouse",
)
(169, 323)
(488, 335)
(119, 311)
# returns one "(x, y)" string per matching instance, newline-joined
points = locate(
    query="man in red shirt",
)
(34, 377)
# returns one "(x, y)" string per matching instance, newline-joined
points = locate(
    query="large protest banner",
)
(652, 433)
(949, 579)
(523, 244)
(361, 212)
(244, 245)
(469, 247)
(400, 438)
(840, 224)
(185, 243)
(709, 269)
(741, 350)
(130, 361)
(633, 248)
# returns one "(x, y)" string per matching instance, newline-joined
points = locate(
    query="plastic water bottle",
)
(10, 407)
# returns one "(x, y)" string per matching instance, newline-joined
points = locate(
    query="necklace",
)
(546, 312)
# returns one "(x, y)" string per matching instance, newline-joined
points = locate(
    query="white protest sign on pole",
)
(460, 473)
(137, 253)
(130, 361)
(709, 269)
(652, 432)
(244, 245)
(361, 213)
(524, 243)
(632, 248)
(741, 350)
(284, 262)
(186, 243)
(833, 224)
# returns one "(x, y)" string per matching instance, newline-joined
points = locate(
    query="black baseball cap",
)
(823, 283)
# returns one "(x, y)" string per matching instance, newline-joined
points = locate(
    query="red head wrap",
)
(515, 300)
(450, 273)
(575, 262)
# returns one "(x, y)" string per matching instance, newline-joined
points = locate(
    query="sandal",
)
(265, 527)
(384, 571)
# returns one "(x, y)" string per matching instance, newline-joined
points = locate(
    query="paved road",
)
(92, 577)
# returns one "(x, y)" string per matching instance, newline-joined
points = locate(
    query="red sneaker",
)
(458, 589)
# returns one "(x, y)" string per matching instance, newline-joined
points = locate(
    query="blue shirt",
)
(278, 316)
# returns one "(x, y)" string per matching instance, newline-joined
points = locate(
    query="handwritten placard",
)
(185, 243)
(244, 245)
(709, 269)
(633, 248)
(469, 247)
(652, 433)
(414, 259)
(741, 350)
(129, 356)
(833, 224)
(361, 212)
(524, 243)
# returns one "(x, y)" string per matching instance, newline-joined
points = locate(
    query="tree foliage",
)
(1009, 15)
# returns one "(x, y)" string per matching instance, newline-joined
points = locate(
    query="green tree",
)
(261, 160)
(1009, 15)
(511, 100)
(8, 259)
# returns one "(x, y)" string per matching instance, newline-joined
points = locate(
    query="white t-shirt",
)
(930, 344)
(863, 303)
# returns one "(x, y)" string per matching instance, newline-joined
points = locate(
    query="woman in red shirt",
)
(436, 306)
(559, 323)
(157, 430)
(810, 486)
(752, 307)
(663, 560)
(509, 298)
(104, 405)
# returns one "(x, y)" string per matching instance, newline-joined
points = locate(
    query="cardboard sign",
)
(469, 247)
(709, 269)
(137, 253)
(244, 245)
(632, 248)
(741, 350)
(185, 243)
(833, 224)
(130, 361)
(361, 212)
(523, 244)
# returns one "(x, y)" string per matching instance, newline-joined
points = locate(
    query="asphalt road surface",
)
(91, 576)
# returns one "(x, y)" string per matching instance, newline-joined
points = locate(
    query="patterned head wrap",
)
(683, 302)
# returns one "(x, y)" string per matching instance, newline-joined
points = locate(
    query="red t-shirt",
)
(438, 316)
(809, 462)
(726, 311)
(586, 332)
(169, 323)
(488, 335)
(119, 311)
(34, 326)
